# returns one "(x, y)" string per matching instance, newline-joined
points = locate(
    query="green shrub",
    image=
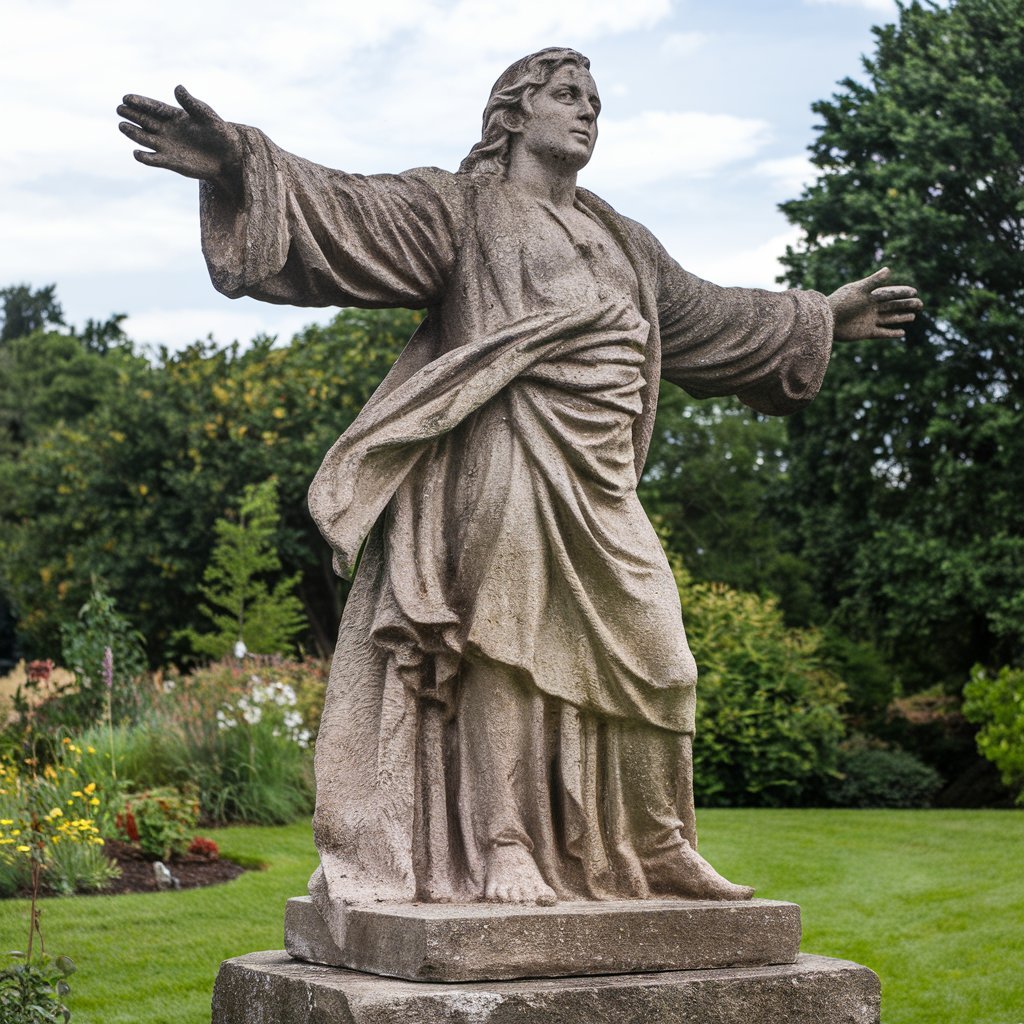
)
(877, 777)
(161, 821)
(33, 992)
(768, 719)
(996, 703)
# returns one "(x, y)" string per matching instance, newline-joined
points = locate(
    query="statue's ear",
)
(513, 120)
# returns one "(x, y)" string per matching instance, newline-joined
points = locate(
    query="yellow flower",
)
(24, 849)
(6, 821)
(94, 802)
(56, 812)
(91, 788)
(90, 750)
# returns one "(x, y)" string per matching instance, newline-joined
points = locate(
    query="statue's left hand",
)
(864, 309)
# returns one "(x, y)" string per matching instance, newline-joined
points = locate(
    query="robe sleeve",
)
(771, 349)
(305, 235)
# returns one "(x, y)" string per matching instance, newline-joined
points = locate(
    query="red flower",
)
(39, 671)
(203, 847)
(126, 823)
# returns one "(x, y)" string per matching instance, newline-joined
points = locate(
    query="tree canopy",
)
(905, 474)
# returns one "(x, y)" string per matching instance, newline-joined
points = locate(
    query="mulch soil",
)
(189, 871)
(137, 875)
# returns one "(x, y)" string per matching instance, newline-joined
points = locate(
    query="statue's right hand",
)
(192, 139)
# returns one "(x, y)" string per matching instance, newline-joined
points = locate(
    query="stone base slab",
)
(272, 988)
(487, 941)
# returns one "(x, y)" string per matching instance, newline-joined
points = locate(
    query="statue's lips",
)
(582, 134)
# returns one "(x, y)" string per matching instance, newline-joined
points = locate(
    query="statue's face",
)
(561, 123)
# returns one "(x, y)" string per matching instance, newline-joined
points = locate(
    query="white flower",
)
(303, 738)
(252, 715)
(292, 719)
(225, 721)
(169, 685)
(240, 649)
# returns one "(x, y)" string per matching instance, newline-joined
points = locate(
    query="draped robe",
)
(490, 481)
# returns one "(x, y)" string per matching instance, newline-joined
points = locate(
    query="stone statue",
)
(511, 704)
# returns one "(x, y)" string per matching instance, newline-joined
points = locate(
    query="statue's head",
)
(510, 106)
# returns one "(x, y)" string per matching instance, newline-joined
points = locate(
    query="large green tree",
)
(906, 473)
(129, 491)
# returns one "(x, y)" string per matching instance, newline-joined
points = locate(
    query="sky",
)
(704, 130)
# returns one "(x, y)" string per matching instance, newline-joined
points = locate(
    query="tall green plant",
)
(108, 658)
(241, 602)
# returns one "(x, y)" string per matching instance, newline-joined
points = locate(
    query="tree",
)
(128, 488)
(27, 310)
(905, 474)
(240, 601)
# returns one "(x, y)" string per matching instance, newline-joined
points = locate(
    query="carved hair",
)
(505, 108)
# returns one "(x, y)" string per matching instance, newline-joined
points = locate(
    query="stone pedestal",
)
(630, 962)
(493, 942)
(272, 988)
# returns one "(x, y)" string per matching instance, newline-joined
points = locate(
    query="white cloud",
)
(790, 173)
(178, 328)
(756, 267)
(657, 145)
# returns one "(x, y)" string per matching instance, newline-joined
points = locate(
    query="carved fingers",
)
(870, 308)
(192, 139)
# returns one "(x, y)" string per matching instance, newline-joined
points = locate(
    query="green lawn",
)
(931, 900)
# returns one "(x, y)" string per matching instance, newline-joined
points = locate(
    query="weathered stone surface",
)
(478, 942)
(272, 988)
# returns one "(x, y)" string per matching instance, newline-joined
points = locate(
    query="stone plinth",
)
(491, 942)
(273, 988)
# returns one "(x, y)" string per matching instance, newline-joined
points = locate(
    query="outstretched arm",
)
(864, 309)
(192, 139)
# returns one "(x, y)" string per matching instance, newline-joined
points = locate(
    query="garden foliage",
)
(768, 717)
(995, 702)
(50, 820)
(240, 733)
(873, 776)
(33, 991)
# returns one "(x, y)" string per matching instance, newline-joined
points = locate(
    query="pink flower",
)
(108, 668)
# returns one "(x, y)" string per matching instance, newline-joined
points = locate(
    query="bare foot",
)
(512, 877)
(682, 871)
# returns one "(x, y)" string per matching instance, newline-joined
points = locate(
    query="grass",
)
(933, 901)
